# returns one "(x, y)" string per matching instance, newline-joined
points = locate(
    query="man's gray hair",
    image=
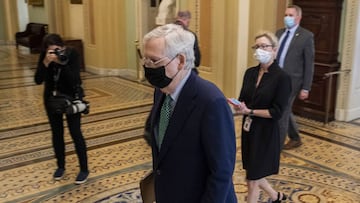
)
(184, 15)
(177, 41)
(297, 9)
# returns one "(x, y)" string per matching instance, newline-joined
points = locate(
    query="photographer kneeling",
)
(59, 69)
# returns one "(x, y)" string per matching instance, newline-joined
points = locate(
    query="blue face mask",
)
(289, 21)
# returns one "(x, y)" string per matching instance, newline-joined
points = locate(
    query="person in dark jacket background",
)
(183, 18)
(297, 59)
(59, 69)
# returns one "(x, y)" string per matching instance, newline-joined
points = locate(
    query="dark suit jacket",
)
(197, 52)
(299, 60)
(197, 156)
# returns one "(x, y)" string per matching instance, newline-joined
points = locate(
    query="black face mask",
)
(157, 76)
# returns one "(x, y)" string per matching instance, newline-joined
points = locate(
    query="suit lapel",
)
(184, 106)
(295, 38)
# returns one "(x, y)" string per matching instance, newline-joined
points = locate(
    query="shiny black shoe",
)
(284, 197)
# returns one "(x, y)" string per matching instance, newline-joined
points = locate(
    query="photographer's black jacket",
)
(69, 81)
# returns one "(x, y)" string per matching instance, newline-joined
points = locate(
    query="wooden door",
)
(322, 17)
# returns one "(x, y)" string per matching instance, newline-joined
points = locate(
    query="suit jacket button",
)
(158, 172)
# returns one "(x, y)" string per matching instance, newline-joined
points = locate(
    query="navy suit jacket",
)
(197, 156)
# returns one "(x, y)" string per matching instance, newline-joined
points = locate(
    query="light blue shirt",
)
(287, 44)
(174, 96)
(176, 93)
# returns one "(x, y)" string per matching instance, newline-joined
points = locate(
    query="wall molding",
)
(125, 72)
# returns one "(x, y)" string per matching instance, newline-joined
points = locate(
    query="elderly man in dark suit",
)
(192, 129)
(296, 57)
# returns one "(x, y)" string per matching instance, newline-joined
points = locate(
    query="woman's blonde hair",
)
(270, 36)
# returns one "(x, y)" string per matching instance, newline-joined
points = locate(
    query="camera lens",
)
(78, 106)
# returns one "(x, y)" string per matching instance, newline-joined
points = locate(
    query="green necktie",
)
(164, 118)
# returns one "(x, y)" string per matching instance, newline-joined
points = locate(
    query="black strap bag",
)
(58, 103)
(61, 103)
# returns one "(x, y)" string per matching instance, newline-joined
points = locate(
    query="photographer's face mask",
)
(157, 75)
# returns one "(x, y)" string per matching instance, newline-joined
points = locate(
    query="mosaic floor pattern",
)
(325, 169)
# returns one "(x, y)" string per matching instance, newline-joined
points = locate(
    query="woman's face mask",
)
(263, 56)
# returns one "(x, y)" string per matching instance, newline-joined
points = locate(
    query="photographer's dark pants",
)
(57, 128)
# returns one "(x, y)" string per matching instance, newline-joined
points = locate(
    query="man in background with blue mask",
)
(191, 126)
(296, 56)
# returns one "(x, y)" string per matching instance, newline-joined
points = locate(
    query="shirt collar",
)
(293, 29)
(176, 93)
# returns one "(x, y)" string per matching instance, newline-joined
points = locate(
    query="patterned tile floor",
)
(325, 169)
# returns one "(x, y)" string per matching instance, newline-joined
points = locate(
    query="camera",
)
(62, 56)
(78, 106)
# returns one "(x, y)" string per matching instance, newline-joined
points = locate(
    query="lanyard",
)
(56, 79)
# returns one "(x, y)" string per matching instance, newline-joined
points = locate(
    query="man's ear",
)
(182, 61)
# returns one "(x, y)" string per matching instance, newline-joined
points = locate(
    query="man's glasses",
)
(262, 46)
(151, 63)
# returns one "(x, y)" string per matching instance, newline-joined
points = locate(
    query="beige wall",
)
(107, 50)
(2, 24)
(263, 16)
(109, 30)
(9, 21)
(231, 52)
(109, 35)
(225, 29)
(76, 14)
(38, 14)
(215, 23)
(103, 26)
(248, 17)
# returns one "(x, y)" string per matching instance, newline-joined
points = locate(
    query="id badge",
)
(247, 124)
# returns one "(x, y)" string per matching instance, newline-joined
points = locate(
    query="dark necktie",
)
(165, 113)
(282, 45)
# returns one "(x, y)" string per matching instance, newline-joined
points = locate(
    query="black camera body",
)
(62, 56)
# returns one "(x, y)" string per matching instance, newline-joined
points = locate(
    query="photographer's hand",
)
(51, 55)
